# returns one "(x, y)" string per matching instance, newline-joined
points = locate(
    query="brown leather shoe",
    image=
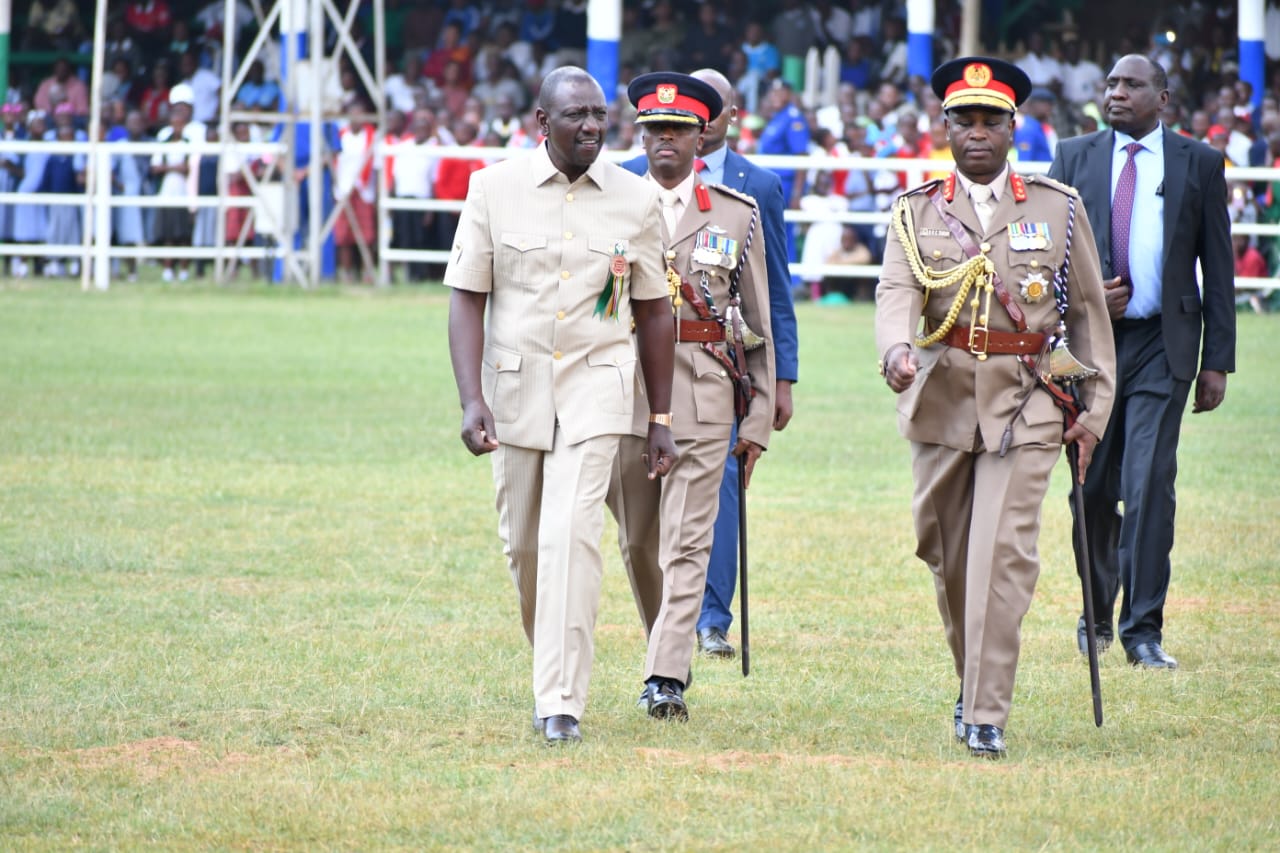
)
(561, 728)
(713, 643)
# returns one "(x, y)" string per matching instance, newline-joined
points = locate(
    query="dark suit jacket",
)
(1196, 227)
(763, 185)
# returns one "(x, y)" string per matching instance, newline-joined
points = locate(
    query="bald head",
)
(718, 127)
(563, 76)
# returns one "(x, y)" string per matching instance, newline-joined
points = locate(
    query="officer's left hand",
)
(1211, 390)
(1085, 443)
(747, 452)
(782, 407)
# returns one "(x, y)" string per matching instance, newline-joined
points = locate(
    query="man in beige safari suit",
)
(565, 251)
(718, 283)
(1003, 271)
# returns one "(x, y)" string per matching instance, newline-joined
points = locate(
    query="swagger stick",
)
(1085, 570)
(742, 568)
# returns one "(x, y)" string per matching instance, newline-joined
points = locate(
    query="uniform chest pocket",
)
(519, 257)
(941, 254)
(1031, 273)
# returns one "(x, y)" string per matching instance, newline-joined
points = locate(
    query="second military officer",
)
(724, 368)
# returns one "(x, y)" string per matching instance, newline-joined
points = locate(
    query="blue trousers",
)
(722, 568)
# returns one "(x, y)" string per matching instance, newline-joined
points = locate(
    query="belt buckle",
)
(978, 339)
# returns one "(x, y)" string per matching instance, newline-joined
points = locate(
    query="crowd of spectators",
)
(467, 71)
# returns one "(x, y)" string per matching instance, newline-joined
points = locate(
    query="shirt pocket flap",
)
(523, 242)
(611, 357)
(606, 247)
(501, 360)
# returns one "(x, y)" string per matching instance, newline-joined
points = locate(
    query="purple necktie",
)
(1122, 213)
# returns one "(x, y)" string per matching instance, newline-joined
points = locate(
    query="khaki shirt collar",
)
(544, 170)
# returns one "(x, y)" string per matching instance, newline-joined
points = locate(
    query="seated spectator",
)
(117, 83)
(150, 21)
(53, 25)
(404, 89)
(851, 252)
(121, 45)
(257, 92)
(154, 102)
(505, 85)
(451, 49)
(763, 64)
(454, 89)
(855, 67)
(62, 86)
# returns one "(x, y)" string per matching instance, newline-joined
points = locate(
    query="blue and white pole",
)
(604, 29)
(1252, 33)
(920, 38)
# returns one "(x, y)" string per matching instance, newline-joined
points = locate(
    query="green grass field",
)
(252, 597)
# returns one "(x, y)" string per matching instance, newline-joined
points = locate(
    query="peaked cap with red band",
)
(980, 81)
(665, 96)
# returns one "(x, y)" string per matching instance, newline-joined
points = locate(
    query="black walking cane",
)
(1084, 568)
(742, 568)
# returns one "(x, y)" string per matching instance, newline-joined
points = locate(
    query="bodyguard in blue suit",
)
(722, 166)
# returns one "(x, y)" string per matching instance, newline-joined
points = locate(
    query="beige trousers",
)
(977, 519)
(665, 529)
(551, 519)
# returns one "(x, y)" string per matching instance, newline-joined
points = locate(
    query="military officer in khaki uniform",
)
(713, 248)
(564, 250)
(985, 432)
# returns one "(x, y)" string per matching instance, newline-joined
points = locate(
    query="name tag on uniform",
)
(934, 232)
(1029, 236)
(713, 247)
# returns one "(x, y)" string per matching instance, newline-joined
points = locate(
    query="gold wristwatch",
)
(664, 419)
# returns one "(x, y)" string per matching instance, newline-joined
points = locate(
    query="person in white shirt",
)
(1081, 79)
(1038, 62)
(204, 84)
(412, 166)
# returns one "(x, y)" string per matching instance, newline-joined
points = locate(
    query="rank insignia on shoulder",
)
(1034, 287)
(713, 247)
(1029, 236)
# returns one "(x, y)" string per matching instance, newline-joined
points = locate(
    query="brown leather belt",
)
(995, 342)
(699, 331)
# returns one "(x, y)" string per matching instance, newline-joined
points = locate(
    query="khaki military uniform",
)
(559, 380)
(977, 512)
(665, 527)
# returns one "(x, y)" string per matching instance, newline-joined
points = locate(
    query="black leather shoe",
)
(1150, 656)
(986, 741)
(714, 644)
(664, 700)
(1103, 632)
(962, 731)
(561, 728)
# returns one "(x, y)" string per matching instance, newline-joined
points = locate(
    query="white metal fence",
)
(275, 216)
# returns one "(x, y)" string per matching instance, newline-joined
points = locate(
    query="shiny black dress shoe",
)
(1150, 656)
(986, 741)
(1104, 634)
(561, 728)
(713, 643)
(664, 700)
(962, 730)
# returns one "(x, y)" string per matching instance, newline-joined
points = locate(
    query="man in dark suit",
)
(719, 165)
(1158, 205)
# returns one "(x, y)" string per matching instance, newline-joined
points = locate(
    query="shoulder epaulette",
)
(1046, 181)
(730, 191)
(925, 187)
